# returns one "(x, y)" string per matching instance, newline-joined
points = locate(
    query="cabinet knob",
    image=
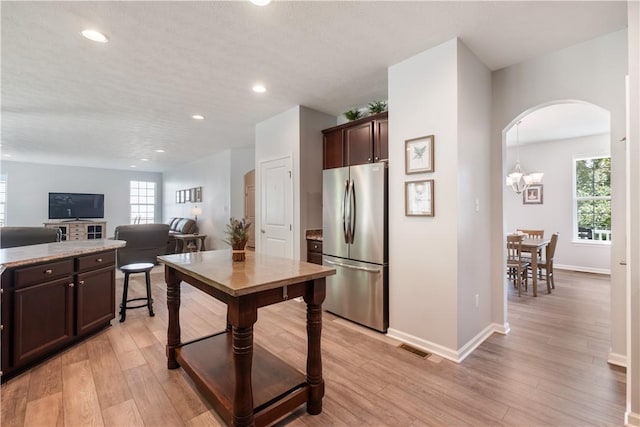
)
(71, 285)
(1, 327)
(81, 282)
(99, 260)
(369, 159)
(48, 271)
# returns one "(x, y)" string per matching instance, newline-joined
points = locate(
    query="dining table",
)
(535, 246)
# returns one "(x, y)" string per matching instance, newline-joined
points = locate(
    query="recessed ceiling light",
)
(95, 36)
(259, 88)
(132, 166)
(159, 150)
(198, 117)
(261, 2)
(144, 160)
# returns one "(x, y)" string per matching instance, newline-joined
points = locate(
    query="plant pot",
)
(238, 252)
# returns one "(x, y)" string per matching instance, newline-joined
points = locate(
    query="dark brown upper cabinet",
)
(358, 142)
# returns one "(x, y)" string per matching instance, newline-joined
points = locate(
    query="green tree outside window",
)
(593, 198)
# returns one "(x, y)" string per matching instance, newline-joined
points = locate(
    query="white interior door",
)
(276, 213)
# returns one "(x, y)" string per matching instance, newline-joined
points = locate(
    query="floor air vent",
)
(415, 351)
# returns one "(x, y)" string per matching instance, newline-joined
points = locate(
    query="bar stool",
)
(143, 267)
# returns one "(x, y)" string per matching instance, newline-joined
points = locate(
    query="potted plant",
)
(237, 235)
(376, 107)
(353, 114)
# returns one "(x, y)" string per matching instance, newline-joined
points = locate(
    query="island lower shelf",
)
(278, 388)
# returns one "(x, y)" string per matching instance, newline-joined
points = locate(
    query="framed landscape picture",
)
(419, 155)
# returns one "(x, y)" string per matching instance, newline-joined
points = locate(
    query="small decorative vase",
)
(238, 253)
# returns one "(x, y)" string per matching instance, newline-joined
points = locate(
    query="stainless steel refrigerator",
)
(354, 234)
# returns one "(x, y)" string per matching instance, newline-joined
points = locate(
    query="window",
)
(593, 199)
(142, 198)
(3, 200)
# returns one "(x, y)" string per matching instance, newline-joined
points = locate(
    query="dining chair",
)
(532, 234)
(516, 265)
(546, 264)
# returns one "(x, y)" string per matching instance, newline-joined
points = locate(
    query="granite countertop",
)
(33, 254)
(314, 235)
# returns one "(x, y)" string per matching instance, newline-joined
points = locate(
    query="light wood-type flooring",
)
(550, 369)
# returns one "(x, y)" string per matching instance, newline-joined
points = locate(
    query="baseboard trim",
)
(582, 269)
(502, 329)
(456, 356)
(617, 359)
(631, 419)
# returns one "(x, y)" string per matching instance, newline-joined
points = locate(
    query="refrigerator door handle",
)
(352, 211)
(353, 267)
(346, 217)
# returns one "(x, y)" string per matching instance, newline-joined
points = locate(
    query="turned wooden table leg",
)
(314, 296)
(173, 305)
(242, 316)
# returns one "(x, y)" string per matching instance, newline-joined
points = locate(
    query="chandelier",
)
(517, 179)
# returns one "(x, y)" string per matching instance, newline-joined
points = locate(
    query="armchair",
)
(11, 237)
(144, 243)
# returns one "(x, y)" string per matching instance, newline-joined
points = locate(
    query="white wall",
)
(295, 133)
(555, 159)
(423, 273)
(311, 125)
(279, 137)
(29, 184)
(632, 415)
(214, 175)
(592, 71)
(474, 231)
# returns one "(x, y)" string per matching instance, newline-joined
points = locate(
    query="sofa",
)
(11, 237)
(179, 226)
(145, 242)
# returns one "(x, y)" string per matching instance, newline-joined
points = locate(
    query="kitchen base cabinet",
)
(43, 316)
(314, 251)
(96, 299)
(48, 306)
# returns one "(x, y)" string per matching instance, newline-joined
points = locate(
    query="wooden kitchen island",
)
(246, 384)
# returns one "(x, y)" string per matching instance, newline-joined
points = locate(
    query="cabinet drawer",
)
(102, 259)
(43, 273)
(314, 246)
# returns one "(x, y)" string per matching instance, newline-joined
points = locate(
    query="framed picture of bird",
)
(419, 155)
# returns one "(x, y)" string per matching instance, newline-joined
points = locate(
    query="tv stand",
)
(79, 229)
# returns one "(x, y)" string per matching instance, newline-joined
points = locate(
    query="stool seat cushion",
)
(139, 267)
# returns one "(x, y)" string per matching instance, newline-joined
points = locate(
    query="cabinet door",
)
(96, 299)
(381, 145)
(43, 319)
(5, 317)
(359, 144)
(333, 150)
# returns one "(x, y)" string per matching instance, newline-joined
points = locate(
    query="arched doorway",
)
(553, 138)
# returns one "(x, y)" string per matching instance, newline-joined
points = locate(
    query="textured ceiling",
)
(70, 101)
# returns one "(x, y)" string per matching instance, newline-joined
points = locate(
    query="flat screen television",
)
(75, 206)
